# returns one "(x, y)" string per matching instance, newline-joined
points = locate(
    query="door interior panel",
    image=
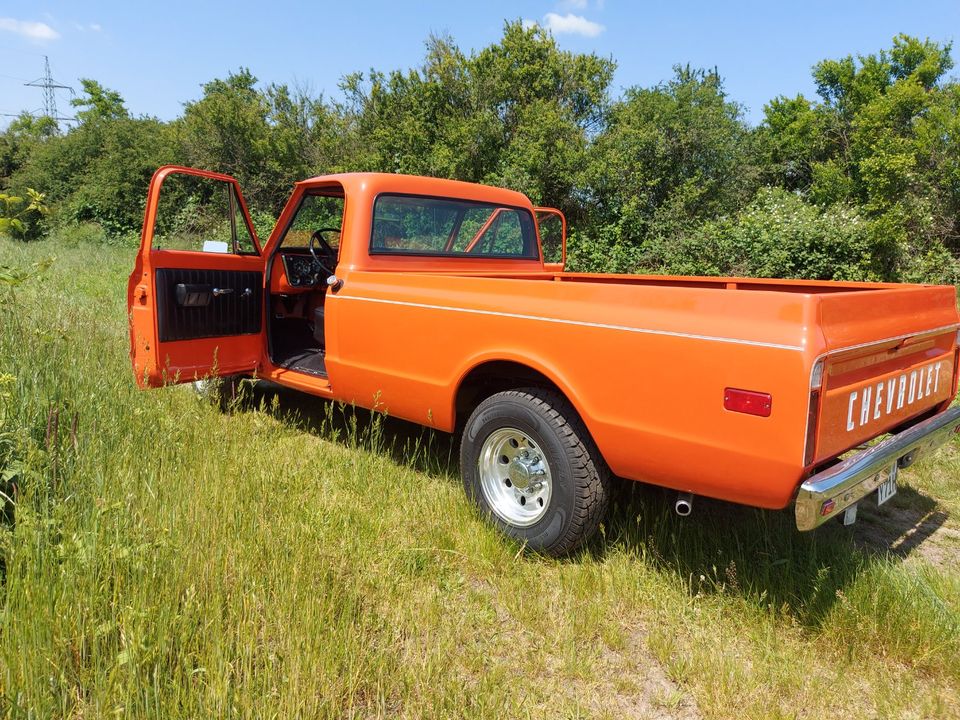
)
(195, 304)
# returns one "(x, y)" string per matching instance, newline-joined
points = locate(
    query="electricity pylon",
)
(50, 87)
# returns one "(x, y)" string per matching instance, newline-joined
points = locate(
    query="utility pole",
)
(50, 86)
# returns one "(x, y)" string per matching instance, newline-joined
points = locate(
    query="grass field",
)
(288, 559)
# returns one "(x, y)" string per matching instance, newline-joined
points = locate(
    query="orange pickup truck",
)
(430, 300)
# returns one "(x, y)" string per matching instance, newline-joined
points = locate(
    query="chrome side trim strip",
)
(860, 474)
(582, 323)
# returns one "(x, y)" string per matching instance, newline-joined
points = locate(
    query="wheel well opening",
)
(493, 377)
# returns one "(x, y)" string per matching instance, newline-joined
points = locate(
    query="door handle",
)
(247, 292)
(217, 292)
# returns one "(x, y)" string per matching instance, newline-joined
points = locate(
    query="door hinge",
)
(140, 294)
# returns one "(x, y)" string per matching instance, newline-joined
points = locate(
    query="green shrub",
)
(19, 216)
(776, 235)
(780, 235)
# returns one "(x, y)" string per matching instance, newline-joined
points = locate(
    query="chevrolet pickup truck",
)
(431, 300)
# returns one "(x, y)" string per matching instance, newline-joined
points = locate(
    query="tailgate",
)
(871, 386)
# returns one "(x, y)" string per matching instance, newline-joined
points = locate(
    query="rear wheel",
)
(529, 463)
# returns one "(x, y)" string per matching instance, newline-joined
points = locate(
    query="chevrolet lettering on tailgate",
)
(874, 402)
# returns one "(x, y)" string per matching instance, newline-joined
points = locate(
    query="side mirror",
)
(552, 227)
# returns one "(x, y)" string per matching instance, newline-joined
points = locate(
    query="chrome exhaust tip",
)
(684, 504)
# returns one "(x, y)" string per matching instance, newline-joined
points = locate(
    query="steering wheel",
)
(328, 254)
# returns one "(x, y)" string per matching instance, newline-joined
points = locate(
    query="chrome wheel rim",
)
(515, 477)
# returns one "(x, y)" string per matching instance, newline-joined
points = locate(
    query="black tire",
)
(580, 485)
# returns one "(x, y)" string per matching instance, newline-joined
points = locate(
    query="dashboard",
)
(301, 270)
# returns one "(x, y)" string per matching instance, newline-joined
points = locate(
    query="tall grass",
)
(292, 559)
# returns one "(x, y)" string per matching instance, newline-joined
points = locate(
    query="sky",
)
(158, 55)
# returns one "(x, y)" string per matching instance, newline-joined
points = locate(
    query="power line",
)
(50, 87)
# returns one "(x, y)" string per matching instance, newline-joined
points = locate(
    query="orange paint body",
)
(644, 360)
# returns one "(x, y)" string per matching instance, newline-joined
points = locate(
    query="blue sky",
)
(157, 55)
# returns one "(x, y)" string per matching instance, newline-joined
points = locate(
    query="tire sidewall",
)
(513, 412)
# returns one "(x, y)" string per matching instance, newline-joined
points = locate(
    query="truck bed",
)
(646, 360)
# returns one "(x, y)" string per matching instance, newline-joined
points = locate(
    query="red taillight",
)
(747, 401)
(956, 366)
(813, 418)
(813, 413)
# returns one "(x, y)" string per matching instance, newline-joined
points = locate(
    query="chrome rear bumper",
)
(860, 474)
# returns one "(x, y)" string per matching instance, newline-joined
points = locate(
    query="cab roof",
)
(373, 184)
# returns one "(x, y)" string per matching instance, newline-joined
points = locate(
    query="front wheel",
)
(529, 463)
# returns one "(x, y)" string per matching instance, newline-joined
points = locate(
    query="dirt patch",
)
(634, 685)
(601, 681)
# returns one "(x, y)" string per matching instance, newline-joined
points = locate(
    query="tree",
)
(883, 137)
(100, 103)
(20, 139)
(98, 171)
(792, 138)
(227, 130)
(518, 113)
(268, 139)
(669, 158)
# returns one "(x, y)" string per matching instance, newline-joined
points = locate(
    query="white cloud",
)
(92, 27)
(527, 24)
(95, 27)
(571, 24)
(29, 29)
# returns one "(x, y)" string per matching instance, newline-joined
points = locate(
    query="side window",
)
(202, 215)
(316, 212)
(407, 225)
(551, 237)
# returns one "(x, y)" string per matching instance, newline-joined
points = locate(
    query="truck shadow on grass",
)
(414, 446)
(721, 548)
(724, 548)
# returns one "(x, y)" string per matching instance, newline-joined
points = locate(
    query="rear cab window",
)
(429, 226)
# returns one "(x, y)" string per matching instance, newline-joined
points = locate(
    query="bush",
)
(20, 217)
(75, 234)
(780, 235)
(777, 235)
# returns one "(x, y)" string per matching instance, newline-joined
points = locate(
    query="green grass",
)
(288, 559)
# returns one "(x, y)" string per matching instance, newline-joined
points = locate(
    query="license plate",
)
(888, 488)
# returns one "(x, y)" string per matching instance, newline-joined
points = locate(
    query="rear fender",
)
(537, 364)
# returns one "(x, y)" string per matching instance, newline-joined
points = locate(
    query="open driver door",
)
(195, 297)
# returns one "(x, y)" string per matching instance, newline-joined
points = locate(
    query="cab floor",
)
(308, 360)
(295, 348)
